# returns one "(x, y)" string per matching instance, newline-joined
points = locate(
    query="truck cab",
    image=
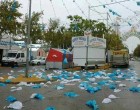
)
(14, 57)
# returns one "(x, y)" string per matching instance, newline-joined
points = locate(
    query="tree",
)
(137, 51)
(78, 25)
(37, 29)
(53, 34)
(9, 16)
(113, 41)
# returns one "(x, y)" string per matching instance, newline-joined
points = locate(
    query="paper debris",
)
(112, 96)
(11, 99)
(138, 85)
(92, 104)
(117, 90)
(106, 100)
(1, 78)
(16, 105)
(22, 84)
(50, 108)
(122, 85)
(37, 96)
(71, 94)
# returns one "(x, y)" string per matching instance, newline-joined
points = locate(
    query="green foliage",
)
(9, 16)
(113, 41)
(78, 25)
(36, 31)
(137, 51)
(58, 36)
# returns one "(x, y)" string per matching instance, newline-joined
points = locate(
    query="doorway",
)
(1, 54)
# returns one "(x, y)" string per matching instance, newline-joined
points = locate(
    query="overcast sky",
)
(129, 11)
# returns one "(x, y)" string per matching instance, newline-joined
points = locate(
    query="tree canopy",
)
(9, 17)
(56, 35)
(137, 51)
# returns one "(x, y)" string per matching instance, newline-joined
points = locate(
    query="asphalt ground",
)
(127, 100)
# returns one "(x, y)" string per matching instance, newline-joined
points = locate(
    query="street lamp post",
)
(28, 39)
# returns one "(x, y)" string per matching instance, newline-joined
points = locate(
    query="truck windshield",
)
(11, 55)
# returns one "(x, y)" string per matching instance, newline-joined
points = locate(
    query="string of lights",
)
(65, 7)
(112, 3)
(93, 9)
(115, 13)
(80, 8)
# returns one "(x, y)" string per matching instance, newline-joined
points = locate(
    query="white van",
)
(14, 57)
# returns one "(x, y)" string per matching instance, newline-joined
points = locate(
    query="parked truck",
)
(119, 57)
(88, 51)
(14, 57)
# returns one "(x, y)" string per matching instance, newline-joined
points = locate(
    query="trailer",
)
(119, 58)
(88, 51)
(59, 58)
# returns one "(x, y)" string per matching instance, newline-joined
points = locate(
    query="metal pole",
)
(28, 39)
(107, 19)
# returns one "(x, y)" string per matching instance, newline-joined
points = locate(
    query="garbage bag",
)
(92, 104)
(2, 84)
(50, 108)
(16, 105)
(11, 99)
(71, 94)
(134, 89)
(37, 96)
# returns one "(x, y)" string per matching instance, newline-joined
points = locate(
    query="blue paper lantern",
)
(138, 3)
(129, 24)
(104, 6)
(110, 10)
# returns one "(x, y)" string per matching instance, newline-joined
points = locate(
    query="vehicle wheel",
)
(127, 65)
(96, 66)
(38, 63)
(2, 64)
(82, 67)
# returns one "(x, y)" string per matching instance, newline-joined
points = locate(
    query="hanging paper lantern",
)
(114, 13)
(75, 27)
(13, 6)
(110, 10)
(129, 24)
(138, 3)
(104, 6)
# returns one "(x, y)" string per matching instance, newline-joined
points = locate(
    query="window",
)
(22, 55)
(11, 55)
(18, 55)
